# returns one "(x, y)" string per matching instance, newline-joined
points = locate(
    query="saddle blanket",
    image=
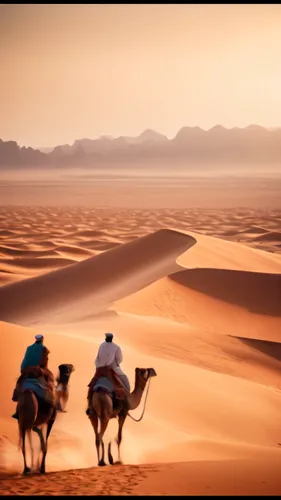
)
(39, 388)
(104, 383)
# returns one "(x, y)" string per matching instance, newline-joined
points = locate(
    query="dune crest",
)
(98, 280)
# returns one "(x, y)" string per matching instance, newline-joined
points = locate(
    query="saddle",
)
(108, 372)
(36, 373)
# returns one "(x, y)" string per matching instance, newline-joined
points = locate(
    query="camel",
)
(101, 411)
(62, 396)
(62, 390)
(34, 416)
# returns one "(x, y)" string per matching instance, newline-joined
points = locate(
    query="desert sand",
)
(194, 293)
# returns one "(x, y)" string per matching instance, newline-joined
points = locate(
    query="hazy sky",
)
(74, 71)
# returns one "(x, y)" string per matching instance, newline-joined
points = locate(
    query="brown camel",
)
(37, 415)
(102, 411)
(34, 416)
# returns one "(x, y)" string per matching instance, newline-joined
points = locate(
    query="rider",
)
(36, 355)
(110, 355)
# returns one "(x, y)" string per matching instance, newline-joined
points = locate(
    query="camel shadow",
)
(260, 293)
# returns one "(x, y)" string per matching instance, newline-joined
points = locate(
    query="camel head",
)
(144, 374)
(72, 367)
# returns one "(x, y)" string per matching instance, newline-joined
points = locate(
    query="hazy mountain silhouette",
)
(253, 144)
(12, 155)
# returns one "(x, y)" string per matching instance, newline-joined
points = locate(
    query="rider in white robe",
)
(110, 354)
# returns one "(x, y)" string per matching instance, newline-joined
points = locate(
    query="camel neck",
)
(135, 396)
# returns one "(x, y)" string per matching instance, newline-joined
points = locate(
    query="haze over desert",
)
(176, 250)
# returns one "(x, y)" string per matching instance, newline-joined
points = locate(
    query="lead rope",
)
(139, 419)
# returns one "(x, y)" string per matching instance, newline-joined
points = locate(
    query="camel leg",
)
(31, 448)
(58, 400)
(49, 428)
(27, 409)
(61, 399)
(121, 421)
(110, 457)
(26, 469)
(104, 424)
(65, 397)
(94, 422)
(43, 448)
(102, 461)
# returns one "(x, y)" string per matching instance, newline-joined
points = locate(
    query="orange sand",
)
(206, 316)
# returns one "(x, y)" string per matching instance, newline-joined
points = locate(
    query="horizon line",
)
(112, 137)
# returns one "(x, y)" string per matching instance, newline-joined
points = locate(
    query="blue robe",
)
(32, 355)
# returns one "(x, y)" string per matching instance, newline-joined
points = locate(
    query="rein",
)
(139, 419)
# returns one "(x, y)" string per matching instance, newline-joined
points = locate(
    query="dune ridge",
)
(150, 258)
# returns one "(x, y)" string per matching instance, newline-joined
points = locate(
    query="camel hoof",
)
(118, 462)
(101, 463)
(26, 471)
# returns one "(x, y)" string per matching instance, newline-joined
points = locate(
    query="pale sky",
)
(75, 71)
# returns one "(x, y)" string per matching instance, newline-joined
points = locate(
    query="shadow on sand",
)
(260, 293)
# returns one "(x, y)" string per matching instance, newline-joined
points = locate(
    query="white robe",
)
(110, 354)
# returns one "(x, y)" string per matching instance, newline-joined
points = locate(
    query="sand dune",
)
(10, 277)
(21, 252)
(168, 299)
(144, 260)
(206, 316)
(73, 250)
(89, 233)
(260, 293)
(254, 230)
(33, 263)
(269, 236)
(5, 233)
(220, 254)
(212, 409)
(101, 245)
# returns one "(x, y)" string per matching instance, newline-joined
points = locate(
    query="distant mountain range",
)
(253, 144)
